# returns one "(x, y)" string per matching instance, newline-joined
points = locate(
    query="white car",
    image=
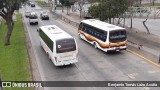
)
(27, 13)
(44, 15)
(33, 18)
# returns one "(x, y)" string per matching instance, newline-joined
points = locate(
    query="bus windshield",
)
(117, 36)
(65, 45)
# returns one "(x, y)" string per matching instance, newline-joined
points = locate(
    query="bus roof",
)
(101, 25)
(54, 32)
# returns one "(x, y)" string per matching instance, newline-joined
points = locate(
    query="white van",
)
(27, 13)
(60, 47)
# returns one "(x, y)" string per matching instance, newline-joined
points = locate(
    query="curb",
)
(32, 58)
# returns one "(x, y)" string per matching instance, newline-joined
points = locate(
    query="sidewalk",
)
(139, 41)
(152, 24)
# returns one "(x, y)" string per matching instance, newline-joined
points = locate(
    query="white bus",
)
(60, 46)
(102, 35)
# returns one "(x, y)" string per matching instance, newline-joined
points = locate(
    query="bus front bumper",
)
(66, 63)
(117, 48)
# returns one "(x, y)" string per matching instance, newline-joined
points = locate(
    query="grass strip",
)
(14, 61)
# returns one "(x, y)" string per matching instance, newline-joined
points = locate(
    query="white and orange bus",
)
(102, 35)
(60, 46)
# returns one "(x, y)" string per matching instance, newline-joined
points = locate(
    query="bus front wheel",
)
(48, 56)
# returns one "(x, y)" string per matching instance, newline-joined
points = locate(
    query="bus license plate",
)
(117, 49)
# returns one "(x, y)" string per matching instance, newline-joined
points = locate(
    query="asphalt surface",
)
(93, 64)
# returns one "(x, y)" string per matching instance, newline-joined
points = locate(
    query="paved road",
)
(93, 65)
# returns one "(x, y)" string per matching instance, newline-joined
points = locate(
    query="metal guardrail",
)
(75, 24)
(142, 12)
(67, 20)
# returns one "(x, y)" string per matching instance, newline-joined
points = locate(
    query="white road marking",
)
(133, 75)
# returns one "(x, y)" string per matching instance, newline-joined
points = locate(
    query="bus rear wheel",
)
(95, 46)
(80, 36)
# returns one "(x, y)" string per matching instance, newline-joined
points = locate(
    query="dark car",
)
(33, 5)
(44, 15)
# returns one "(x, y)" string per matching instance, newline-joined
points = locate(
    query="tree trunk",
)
(10, 25)
(146, 26)
(80, 13)
(113, 20)
(124, 22)
(118, 22)
(80, 10)
(62, 8)
(140, 3)
(67, 10)
(131, 23)
(131, 20)
(72, 7)
(144, 23)
(110, 20)
(153, 2)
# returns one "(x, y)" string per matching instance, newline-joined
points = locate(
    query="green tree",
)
(67, 3)
(93, 10)
(7, 8)
(80, 4)
(62, 2)
(93, 1)
(107, 9)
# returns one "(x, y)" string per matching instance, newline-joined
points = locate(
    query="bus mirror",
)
(37, 30)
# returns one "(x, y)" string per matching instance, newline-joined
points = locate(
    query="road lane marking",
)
(146, 88)
(147, 60)
(132, 75)
(153, 71)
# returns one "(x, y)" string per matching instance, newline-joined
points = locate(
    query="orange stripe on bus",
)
(91, 38)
